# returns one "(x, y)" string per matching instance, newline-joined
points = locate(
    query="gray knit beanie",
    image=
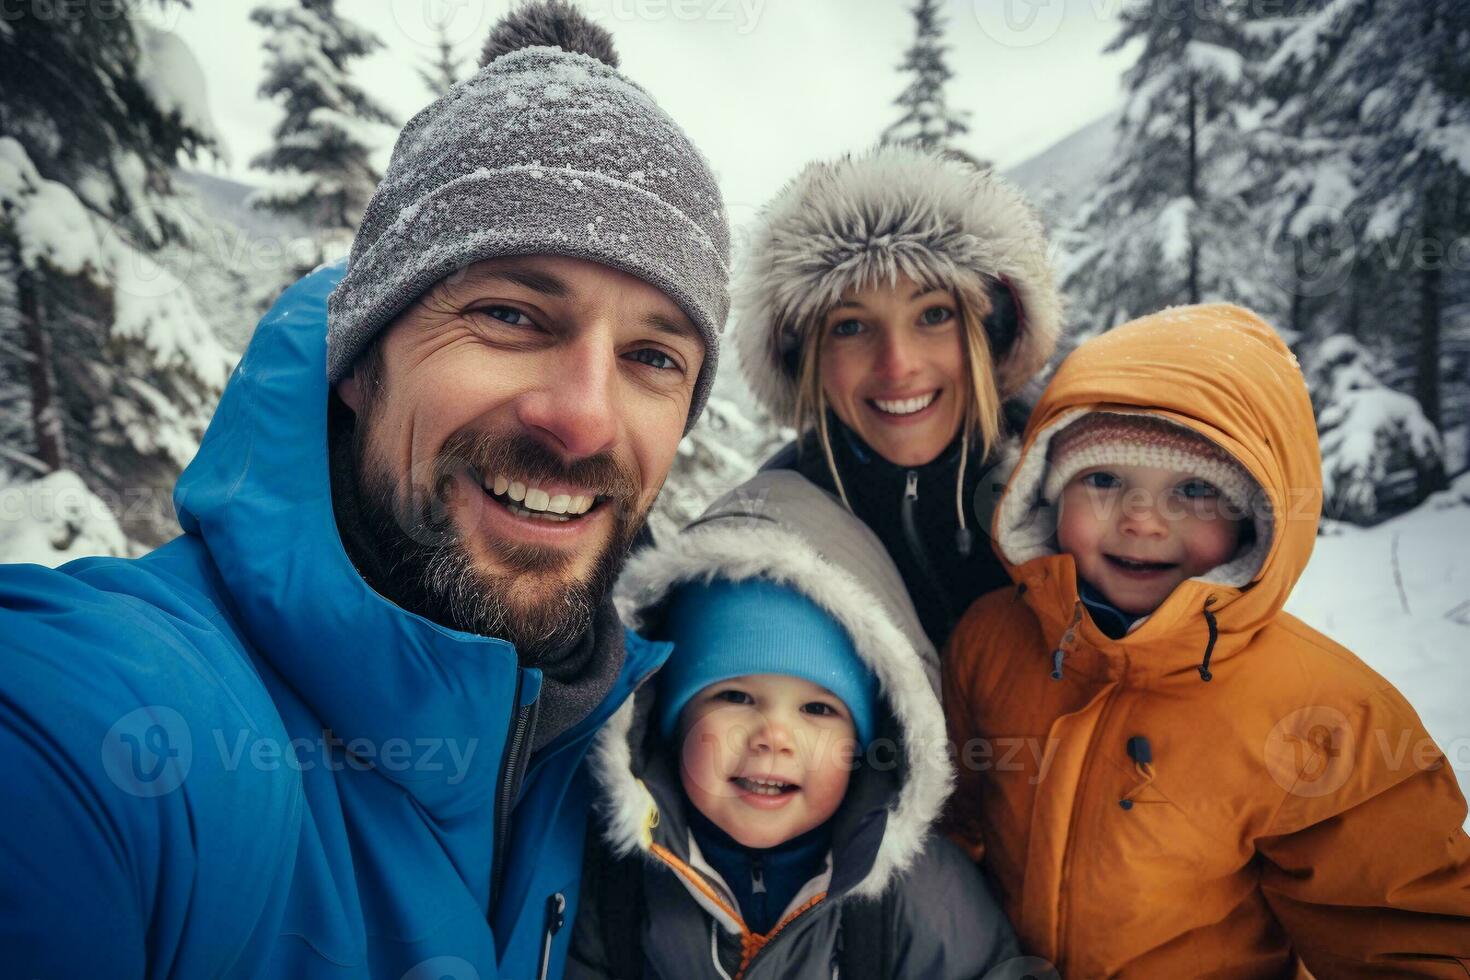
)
(547, 150)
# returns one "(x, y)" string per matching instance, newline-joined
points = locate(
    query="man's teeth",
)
(906, 406)
(536, 499)
(765, 787)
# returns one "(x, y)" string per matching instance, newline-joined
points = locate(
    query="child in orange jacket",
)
(1165, 774)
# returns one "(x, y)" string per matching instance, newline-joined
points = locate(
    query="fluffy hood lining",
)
(1026, 523)
(738, 549)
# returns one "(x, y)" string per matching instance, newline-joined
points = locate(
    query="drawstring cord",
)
(826, 441)
(1204, 667)
(1146, 771)
(963, 537)
(1142, 755)
(1061, 651)
(714, 948)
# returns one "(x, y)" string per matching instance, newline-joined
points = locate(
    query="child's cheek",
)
(827, 783)
(701, 761)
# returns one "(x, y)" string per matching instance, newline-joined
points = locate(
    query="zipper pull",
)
(556, 917)
(1065, 645)
(757, 878)
(911, 486)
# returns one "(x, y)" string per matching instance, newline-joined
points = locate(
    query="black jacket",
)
(942, 581)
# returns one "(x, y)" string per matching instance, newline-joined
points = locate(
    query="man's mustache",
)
(526, 459)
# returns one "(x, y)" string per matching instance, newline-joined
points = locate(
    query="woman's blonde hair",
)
(981, 421)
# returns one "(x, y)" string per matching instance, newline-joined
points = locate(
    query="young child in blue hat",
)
(768, 799)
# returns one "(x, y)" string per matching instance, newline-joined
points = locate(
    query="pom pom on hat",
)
(552, 24)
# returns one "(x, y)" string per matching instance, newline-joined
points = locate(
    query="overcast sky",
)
(762, 86)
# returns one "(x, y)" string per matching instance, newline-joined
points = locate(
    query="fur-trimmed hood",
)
(868, 219)
(782, 528)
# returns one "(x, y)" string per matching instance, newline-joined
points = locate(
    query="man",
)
(335, 728)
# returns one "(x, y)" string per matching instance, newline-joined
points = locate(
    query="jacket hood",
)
(1223, 373)
(259, 495)
(781, 528)
(863, 220)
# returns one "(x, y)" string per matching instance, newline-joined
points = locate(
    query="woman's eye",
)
(846, 328)
(1199, 490)
(1101, 481)
(936, 315)
(655, 358)
(735, 697)
(507, 314)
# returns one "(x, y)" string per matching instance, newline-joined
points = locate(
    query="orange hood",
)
(1224, 373)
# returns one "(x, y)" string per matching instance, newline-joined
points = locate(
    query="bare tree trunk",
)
(1193, 189)
(1431, 303)
(45, 407)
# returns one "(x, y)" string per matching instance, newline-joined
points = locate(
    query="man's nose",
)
(575, 407)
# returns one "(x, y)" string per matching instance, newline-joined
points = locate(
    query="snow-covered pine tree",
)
(1382, 100)
(1169, 224)
(1380, 455)
(440, 72)
(106, 368)
(722, 451)
(927, 120)
(321, 157)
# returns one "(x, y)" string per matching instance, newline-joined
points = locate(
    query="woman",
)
(891, 304)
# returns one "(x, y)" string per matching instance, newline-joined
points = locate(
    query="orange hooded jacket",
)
(1290, 808)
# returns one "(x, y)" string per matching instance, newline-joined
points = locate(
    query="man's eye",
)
(846, 328)
(655, 358)
(936, 315)
(507, 314)
(1199, 490)
(734, 697)
(1101, 481)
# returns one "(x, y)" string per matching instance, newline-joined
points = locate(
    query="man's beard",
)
(433, 570)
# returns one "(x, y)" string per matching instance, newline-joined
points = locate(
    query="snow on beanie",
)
(727, 629)
(547, 150)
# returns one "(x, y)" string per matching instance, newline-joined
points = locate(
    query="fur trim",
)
(1026, 522)
(626, 806)
(737, 549)
(864, 220)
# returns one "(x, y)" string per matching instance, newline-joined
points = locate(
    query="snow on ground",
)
(1398, 595)
(54, 519)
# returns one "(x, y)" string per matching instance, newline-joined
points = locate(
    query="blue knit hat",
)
(730, 629)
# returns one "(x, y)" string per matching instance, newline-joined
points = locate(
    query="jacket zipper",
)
(517, 746)
(916, 544)
(1090, 755)
(556, 917)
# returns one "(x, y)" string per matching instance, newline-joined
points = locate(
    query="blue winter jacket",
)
(232, 758)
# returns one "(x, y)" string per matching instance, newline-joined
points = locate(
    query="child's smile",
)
(1137, 532)
(766, 757)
